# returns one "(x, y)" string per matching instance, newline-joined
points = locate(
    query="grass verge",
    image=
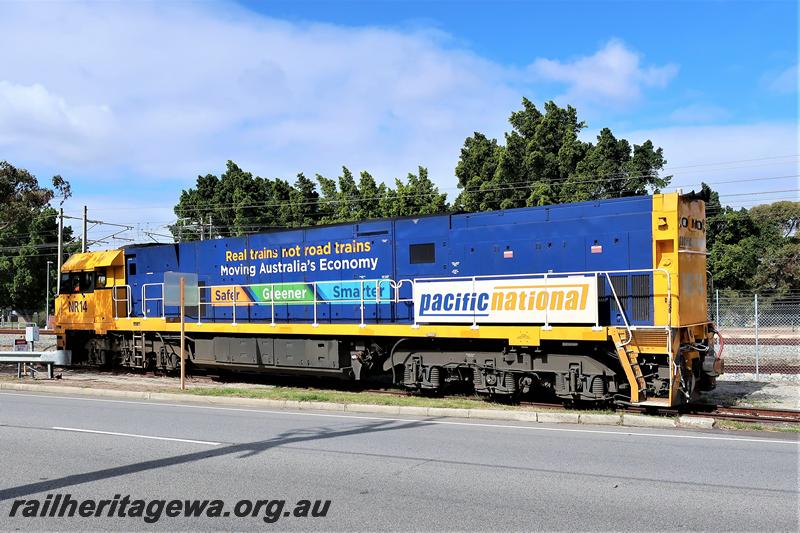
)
(315, 395)
(755, 426)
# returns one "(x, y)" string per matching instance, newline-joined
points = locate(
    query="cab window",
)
(77, 282)
(66, 283)
(87, 282)
(100, 279)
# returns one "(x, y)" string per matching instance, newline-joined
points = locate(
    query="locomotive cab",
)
(86, 299)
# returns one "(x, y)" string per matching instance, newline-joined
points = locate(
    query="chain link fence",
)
(761, 334)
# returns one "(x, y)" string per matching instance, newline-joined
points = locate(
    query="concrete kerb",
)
(696, 422)
(644, 421)
(601, 419)
(553, 417)
(558, 418)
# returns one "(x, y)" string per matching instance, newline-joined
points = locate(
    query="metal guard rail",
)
(395, 287)
(49, 358)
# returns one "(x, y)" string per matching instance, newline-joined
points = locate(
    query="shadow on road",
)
(247, 449)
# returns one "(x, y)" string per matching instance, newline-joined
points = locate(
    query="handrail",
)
(152, 299)
(394, 287)
(127, 299)
(314, 301)
(629, 336)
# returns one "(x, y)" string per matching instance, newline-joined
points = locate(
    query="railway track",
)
(748, 414)
(743, 414)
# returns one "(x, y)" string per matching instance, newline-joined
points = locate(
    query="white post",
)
(234, 305)
(716, 305)
(547, 325)
(597, 315)
(474, 316)
(183, 332)
(755, 303)
(314, 288)
(272, 304)
(413, 302)
(199, 304)
(361, 294)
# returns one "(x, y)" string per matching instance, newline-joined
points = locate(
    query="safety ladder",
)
(629, 358)
(138, 350)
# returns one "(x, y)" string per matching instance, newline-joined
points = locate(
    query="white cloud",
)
(785, 81)
(735, 159)
(695, 113)
(138, 93)
(613, 74)
(170, 90)
(30, 114)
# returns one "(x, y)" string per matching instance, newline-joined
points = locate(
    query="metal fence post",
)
(755, 305)
(716, 306)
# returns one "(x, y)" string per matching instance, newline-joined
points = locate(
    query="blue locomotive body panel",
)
(607, 235)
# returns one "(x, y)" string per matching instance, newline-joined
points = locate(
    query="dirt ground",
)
(774, 391)
(769, 391)
(124, 380)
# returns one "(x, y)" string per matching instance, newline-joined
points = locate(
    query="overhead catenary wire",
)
(167, 225)
(592, 178)
(395, 194)
(615, 176)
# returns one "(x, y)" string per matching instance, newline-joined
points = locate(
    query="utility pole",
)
(182, 298)
(60, 249)
(47, 298)
(85, 221)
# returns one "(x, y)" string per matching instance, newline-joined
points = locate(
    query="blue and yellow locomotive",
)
(600, 301)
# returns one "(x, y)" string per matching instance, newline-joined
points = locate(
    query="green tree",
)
(328, 201)
(28, 236)
(753, 250)
(780, 219)
(370, 195)
(418, 195)
(195, 208)
(304, 201)
(235, 203)
(238, 203)
(475, 172)
(544, 162)
(347, 198)
(778, 270)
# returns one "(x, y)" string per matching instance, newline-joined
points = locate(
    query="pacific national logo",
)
(571, 299)
(511, 298)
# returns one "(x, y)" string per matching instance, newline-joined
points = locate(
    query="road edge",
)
(549, 416)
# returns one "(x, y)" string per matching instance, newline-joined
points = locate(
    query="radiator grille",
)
(621, 288)
(641, 297)
(634, 293)
(655, 337)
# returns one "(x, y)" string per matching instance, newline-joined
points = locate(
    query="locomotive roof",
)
(692, 195)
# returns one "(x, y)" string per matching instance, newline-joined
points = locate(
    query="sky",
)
(131, 101)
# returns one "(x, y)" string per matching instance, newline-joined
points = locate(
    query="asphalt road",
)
(386, 473)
